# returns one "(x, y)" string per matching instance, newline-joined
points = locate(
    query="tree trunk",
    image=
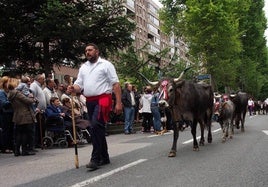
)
(46, 62)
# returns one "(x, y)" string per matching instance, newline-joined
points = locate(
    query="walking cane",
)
(74, 129)
(41, 130)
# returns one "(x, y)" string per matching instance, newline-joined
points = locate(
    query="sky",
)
(265, 10)
(266, 13)
(158, 3)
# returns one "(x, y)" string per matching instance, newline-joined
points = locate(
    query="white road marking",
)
(189, 141)
(216, 130)
(99, 177)
(265, 131)
(186, 142)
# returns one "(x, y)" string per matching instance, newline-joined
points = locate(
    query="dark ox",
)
(240, 101)
(188, 102)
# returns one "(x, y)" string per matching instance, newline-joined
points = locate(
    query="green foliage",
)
(132, 61)
(254, 54)
(226, 38)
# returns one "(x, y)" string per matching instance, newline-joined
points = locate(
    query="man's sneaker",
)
(92, 166)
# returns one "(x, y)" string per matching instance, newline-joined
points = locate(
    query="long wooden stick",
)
(41, 130)
(74, 129)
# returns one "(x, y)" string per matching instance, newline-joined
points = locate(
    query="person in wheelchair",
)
(67, 109)
(54, 114)
(59, 132)
(81, 124)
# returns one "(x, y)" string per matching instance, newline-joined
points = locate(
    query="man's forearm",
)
(117, 92)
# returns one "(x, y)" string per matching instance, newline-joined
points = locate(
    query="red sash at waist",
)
(105, 105)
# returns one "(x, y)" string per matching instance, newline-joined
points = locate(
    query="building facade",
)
(145, 15)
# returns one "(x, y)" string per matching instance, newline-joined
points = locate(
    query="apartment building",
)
(148, 30)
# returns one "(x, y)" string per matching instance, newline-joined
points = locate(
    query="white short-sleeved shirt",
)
(96, 78)
(250, 103)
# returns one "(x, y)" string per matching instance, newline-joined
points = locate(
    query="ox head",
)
(165, 87)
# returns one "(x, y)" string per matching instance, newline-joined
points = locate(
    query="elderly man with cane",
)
(97, 79)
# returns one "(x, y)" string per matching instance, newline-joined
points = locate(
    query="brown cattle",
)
(225, 119)
(189, 102)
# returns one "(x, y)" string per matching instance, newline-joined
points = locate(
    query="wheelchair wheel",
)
(87, 137)
(63, 144)
(47, 142)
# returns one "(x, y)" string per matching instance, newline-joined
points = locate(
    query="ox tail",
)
(208, 119)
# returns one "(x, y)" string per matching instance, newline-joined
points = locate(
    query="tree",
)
(50, 31)
(130, 63)
(218, 35)
(254, 67)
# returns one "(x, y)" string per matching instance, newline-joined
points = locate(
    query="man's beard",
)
(92, 59)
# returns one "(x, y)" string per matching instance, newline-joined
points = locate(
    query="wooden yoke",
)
(73, 123)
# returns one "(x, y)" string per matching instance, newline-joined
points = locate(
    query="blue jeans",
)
(129, 118)
(156, 118)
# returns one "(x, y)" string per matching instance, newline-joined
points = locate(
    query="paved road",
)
(141, 160)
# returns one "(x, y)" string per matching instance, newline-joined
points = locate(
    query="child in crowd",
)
(24, 86)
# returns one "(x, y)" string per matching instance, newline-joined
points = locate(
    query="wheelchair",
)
(56, 134)
(59, 133)
(82, 133)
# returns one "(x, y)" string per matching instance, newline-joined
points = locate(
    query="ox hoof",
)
(223, 140)
(231, 137)
(242, 130)
(201, 143)
(209, 140)
(196, 149)
(172, 154)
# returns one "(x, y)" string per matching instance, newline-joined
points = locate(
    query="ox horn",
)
(182, 73)
(148, 81)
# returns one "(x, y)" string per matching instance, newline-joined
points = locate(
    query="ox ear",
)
(148, 81)
(182, 73)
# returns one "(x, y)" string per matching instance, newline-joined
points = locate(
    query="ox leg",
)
(193, 131)
(224, 132)
(226, 129)
(173, 150)
(202, 139)
(209, 131)
(231, 130)
(237, 120)
(242, 122)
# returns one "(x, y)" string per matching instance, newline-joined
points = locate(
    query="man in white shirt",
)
(97, 79)
(50, 91)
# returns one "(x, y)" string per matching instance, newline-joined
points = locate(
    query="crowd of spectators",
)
(44, 98)
(27, 104)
